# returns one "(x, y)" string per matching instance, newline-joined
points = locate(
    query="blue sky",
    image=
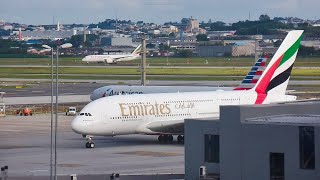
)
(159, 11)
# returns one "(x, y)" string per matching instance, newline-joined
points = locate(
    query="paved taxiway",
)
(153, 82)
(25, 148)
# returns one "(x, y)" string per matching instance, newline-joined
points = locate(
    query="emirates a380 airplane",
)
(163, 114)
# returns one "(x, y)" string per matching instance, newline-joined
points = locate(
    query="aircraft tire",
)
(180, 139)
(161, 138)
(89, 145)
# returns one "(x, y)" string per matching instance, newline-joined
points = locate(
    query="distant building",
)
(315, 44)
(243, 50)
(154, 32)
(192, 25)
(47, 34)
(214, 51)
(266, 142)
(116, 41)
(168, 29)
(7, 27)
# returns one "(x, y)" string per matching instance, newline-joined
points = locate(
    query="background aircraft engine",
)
(109, 61)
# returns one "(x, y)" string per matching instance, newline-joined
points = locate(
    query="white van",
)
(71, 111)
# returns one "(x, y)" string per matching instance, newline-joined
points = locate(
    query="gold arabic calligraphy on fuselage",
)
(142, 109)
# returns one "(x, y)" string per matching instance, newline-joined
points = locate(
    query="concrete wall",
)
(245, 148)
(116, 41)
(213, 51)
(47, 34)
(259, 142)
(194, 152)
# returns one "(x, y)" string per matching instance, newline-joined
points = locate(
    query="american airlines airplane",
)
(163, 114)
(113, 59)
(248, 82)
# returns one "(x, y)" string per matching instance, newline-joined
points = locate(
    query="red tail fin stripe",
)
(258, 73)
(254, 80)
(260, 98)
(262, 86)
(263, 64)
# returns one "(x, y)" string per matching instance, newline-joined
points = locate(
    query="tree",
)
(4, 32)
(172, 35)
(202, 37)
(163, 47)
(100, 51)
(264, 17)
(77, 40)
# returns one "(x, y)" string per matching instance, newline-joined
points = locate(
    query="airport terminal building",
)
(265, 142)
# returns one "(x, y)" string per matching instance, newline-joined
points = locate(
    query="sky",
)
(158, 11)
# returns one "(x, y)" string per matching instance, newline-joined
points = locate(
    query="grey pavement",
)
(46, 99)
(25, 148)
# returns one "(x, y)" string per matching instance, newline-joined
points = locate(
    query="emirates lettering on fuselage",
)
(185, 105)
(142, 109)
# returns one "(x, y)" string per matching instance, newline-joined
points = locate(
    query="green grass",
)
(158, 61)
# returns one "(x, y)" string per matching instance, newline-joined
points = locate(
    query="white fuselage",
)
(122, 89)
(134, 114)
(111, 58)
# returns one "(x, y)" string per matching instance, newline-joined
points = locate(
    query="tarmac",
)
(46, 99)
(25, 148)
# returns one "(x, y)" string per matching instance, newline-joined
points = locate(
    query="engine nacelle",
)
(109, 61)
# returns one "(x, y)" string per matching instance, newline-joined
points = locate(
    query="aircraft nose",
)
(92, 96)
(77, 125)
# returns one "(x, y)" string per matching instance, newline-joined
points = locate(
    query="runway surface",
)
(25, 148)
(68, 88)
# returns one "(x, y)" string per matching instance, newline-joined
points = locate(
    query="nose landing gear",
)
(180, 139)
(89, 143)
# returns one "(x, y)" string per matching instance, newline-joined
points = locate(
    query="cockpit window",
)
(85, 114)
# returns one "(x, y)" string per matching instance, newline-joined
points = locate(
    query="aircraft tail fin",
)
(137, 50)
(274, 80)
(254, 74)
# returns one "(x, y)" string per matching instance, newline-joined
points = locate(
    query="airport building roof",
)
(287, 119)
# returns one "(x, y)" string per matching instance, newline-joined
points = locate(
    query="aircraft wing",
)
(166, 127)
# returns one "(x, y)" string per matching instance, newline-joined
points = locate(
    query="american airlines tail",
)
(137, 50)
(254, 74)
(275, 78)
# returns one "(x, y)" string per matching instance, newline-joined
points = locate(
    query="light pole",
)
(51, 121)
(53, 171)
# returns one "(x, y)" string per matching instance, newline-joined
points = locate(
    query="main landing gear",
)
(165, 138)
(89, 143)
(180, 139)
